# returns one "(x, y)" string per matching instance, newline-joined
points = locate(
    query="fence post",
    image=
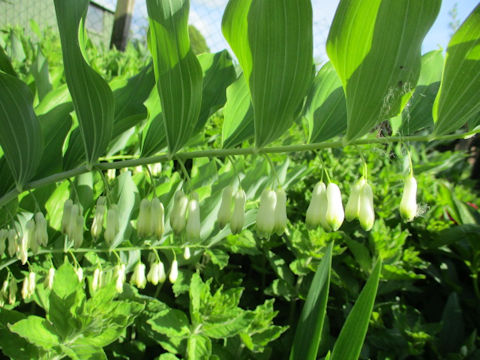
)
(121, 25)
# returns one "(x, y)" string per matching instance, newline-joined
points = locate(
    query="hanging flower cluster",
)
(232, 209)
(151, 218)
(72, 222)
(326, 208)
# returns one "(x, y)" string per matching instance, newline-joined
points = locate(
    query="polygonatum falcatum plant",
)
(175, 212)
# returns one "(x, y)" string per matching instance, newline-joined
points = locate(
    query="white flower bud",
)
(113, 225)
(225, 210)
(155, 169)
(408, 205)
(157, 218)
(77, 234)
(366, 213)
(120, 277)
(12, 292)
(186, 253)
(280, 212)
(31, 283)
(97, 224)
(317, 210)
(153, 274)
(41, 234)
(161, 272)
(138, 277)
(238, 218)
(111, 174)
(352, 209)
(49, 279)
(12, 242)
(193, 221)
(266, 213)
(178, 218)
(4, 293)
(3, 238)
(75, 212)
(79, 273)
(144, 218)
(67, 211)
(335, 214)
(25, 288)
(96, 279)
(27, 240)
(173, 272)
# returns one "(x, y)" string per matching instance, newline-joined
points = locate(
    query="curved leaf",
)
(274, 44)
(325, 109)
(91, 95)
(458, 99)
(375, 48)
(177, 70)
(20, 137)
(154, 138)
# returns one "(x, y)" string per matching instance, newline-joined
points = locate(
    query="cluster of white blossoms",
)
(8, 292)
(272, 213)
(156, 275)
(232, 209)
(185, 215)
(72, 222)
(151, 218)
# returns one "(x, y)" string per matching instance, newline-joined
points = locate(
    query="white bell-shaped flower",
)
(67, 211)
(157, 273)
(173, 272)
(193, 221)
(41, 234)
(113, 224)
(178, 216)
(408, 205)
(50, 278)
(25, 293)
(238, 217)
(280, 212)
(79, 273)
(225, 211)
(157, 218)
(32, 283)
(317, 210)
(138, 277)
(77, 230)
(266, 213)
(120, 277)
(12, 292)
(366, 213)
(186, 253)
(96, 279)
(335, 213)
(97, 224)
(144, 218)
(352, 208)
(12, 242)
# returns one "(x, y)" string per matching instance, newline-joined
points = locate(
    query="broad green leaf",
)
(66, 281)
(309, 329)
(154, 138)
(274, 44)
(228, 328)
(177, 70)
(199, 347)
(325, 109)
(451, 336)
(238, 114)
(375, 49)
(458, 99)
(418, 112)
(81, 350)
(218, 74)
(171, 322)
(91, 95)
(75, 152)
(12, 345)
(350, 341)
(37, 331)
(53, 99)
(5, 64)
(20, 138)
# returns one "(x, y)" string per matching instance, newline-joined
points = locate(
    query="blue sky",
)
(206, 15)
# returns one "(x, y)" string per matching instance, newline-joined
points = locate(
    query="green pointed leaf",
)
(418, 113)
(199, 347)
(20, 137)
(5, 64)
(177, 70)
(82, 350)
(309, 329)
(458, 99)
(452, 335)
(325, 110)
(238, 115)
(350, 341)
(91, 95)
(37, 331)
(375, 48)
(154, 138)
(75, 151)
(218, 74)
(274, 44)
(171, 322)
(40, 73)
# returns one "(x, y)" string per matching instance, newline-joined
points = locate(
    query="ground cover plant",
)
(164, 204)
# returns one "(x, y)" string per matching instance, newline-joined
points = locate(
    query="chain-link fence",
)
(205, 16)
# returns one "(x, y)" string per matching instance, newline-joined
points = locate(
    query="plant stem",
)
(223, 153)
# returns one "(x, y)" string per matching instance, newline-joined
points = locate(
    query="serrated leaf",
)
(228, 328)
(273, 42)
(12, 345)
(82, 350)
(375, 48)
(325, 110)
(458, 99)
(20, 138)
(309, 329)
(350, 341)
(37, 331)
(199, 347)
(171, 322)
(91, 95)
(66, 281)
(177, 70)
(238, 123)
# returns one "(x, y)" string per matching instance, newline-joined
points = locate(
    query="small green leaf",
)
(37, 331)
(325, 110)
(350, 341)
(91, 95)
(199, 347)
(458, 99)
(20, 138)
(309, 329)
(40, 73)
(375, 48)
(177, 70)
